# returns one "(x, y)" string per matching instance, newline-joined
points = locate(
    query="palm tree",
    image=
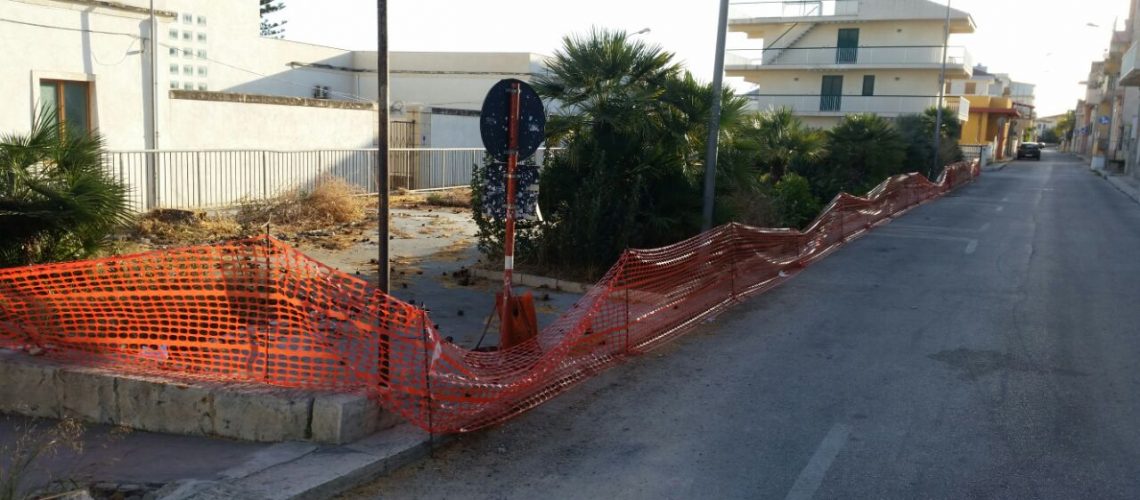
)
(56, 201)
(781, 142)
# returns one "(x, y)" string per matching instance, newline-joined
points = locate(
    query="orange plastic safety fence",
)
(259, 311)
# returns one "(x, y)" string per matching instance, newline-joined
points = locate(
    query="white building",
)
(824, 59)
(218, 85)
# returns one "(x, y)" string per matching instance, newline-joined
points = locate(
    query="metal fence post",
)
(264, 177)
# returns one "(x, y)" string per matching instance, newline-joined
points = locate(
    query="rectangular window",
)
(188, 70)
(187, 86)
(173, 51)
(187, 52)
(187, 18)
(201, 71)
(174, 85)
(847, 44)
(868, 85)
(201, 20)
(202, 37)
(971, 88)
(831, 93)
(71, 102)
(949, 86)
(174, 69)
(174, 34)
(202, 87)
(186, 35)
(202, 54)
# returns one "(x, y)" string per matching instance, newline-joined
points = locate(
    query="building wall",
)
(883, 33)
(205, 124)
(115, 65)
(887, 82)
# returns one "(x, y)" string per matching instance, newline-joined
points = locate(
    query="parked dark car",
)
(1029, 150)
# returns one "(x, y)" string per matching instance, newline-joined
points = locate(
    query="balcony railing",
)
(860, 56)
(838, 105)
(1129, 67)
(803, 8)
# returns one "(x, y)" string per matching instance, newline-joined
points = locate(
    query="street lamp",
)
(641, 32)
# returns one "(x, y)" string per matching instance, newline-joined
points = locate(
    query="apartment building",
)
(1001, 110)
(824, 59)
(1129, 82)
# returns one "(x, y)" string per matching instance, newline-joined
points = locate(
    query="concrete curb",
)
(37, 387)
(1123, 187)
(534, 281)
(290, 471)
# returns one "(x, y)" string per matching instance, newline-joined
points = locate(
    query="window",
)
(174, 34)
(831, 93)
(187, 86)
(201, 20)
(202, 54)
(848, 46)
(186, 35)
(187, 52)
(949, 85)
(971, 88)
(868, 85)
(187, 18)
(202, 87)
(201, 71)
(71, 102)
(188, 70)
(174, 69)
(173, 51)
(202, 37)
(174, 85)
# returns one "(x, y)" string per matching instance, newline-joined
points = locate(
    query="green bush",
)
(56, 201)
(917, 132)
(794, 203)
(862, 151)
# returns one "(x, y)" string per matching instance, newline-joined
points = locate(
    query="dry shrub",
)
(332, 202)
(450, 198)
(182, 227)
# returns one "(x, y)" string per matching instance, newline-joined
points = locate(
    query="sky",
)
(1049, 43)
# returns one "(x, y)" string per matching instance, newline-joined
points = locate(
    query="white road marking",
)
(985, 227)
(999, 208)
(971, 243)
(812, 476)
(938, 229)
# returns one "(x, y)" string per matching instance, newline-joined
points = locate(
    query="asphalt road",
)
(983, 346)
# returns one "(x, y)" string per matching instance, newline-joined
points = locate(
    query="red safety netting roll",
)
(259, 311)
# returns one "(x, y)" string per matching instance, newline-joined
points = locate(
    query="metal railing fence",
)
(221, 178)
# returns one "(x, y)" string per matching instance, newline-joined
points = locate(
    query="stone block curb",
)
(533, 281)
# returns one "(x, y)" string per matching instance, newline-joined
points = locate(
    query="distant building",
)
(1001, 110)
(827, 59)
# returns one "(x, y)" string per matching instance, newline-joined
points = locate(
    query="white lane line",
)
(938, 229)
(971, 243)
(812, 476)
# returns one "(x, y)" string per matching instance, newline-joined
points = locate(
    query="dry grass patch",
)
(182, 227)
(332, 202)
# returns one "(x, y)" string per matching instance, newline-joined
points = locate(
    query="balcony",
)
(840, 105)
(959, 62)
(1130, 67)
(791, 11)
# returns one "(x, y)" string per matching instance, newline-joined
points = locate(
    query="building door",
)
(831, 93)
(848, 46)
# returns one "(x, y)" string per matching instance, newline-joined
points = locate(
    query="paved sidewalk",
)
(1126, 184)
(119, 463)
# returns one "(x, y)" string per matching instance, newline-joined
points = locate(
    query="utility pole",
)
(153, 78)
(382, 273)
(941, 94)
(714, 118)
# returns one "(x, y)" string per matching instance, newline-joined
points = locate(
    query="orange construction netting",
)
(259, 311)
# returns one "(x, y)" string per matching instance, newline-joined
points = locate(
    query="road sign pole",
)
(509, 238)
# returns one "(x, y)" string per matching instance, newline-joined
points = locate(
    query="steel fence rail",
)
(205, 179)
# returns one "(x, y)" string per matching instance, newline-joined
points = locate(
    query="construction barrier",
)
(259, 311)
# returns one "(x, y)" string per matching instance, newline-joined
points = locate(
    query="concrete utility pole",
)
(714, 118)
(941, 93)
(382, 272)
(153, 78)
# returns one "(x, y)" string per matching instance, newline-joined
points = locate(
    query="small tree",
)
(917, 133)
(781, 143)
(272, 28)
(56, 201)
